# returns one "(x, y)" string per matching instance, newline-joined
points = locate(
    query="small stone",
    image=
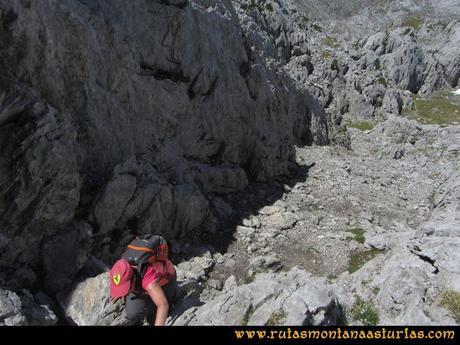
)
(219, 258)
(230, 284)
(263, 263)
(265, 250)
(215, 284)
(251, 249)
(244, 231)
(229, 263)
(273, 232)
(252, 222)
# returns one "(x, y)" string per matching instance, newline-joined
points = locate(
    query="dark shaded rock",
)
(24, 310)
(65, 254)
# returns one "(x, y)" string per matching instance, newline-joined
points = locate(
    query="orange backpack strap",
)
(141, 249)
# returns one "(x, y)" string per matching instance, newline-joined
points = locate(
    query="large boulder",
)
(284, 298)
(23, 309)
(88, 303)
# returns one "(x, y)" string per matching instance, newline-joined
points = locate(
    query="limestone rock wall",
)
(127, 119)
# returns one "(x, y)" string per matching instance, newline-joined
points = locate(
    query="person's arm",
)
(158, 297)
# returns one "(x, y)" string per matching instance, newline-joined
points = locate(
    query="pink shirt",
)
(158, 272)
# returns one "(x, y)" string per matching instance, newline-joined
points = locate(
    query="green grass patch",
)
(414, 22)
(376, 290)
(251, 5)
(359, 235)
(249, 279)
(342, 129)
(451, 301)
(361, 125)
(325, 54)
(358, 259)
(247, 315)
(332, 276)
(365, 312)
(383, 81)
(335, 65)
(277, 318)
(441, 110)
(331, 42)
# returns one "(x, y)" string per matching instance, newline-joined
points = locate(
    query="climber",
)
(146, 280)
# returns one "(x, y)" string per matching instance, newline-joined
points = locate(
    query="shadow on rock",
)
(237, 208)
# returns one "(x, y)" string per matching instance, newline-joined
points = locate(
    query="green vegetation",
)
(246, 7)
(377, 65)
(451, 301)
(247, 315)
(343, 315)
(252, 5)
(249, 279)
(361, 125)
(376, 290)
(365, 312)
(439, 25)
(358, 259)
(332, 276)
(325, 54)
(342, 129)
(317, 27)
(434, 176)
(408, 112)
(359, 234)
(441, 110)
(383, 81)
(311, 251)
(277, 318)
(414, 22)
(335, 65)
(305, 19)
(331, 42)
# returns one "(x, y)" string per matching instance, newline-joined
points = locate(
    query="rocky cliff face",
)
(121, 119)
(190, 119)
(366, 59)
